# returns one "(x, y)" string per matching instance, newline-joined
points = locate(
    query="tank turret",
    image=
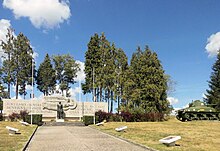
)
(197, 110)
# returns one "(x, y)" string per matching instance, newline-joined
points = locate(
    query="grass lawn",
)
(196, 135)
(14, 142)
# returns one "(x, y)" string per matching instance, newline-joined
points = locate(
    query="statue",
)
(60, 112)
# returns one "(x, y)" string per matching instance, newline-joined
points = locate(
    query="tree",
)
(93, 64)
(121, 66)
(213, 94)
(8, 48)
(21, 63)
(46, 77)
(146, 84)
(66, 69)
(105, 64)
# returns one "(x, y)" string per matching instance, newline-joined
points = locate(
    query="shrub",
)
(101, 116)
(14, 117)
(23, 114)
(88, 120)
(36, 119)
(127, 116)
(1, 117)
(116, 117)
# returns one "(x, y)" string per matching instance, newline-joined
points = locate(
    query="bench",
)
(100, 124)
(170, 140)
(12, 130)
(24, 123)
(122, 128)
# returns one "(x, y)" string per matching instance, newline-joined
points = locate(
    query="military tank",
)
(197, 110)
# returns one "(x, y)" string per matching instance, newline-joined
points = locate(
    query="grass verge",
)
(14, 142)
(196, 135)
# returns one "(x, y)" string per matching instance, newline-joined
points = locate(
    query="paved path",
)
(77, 138)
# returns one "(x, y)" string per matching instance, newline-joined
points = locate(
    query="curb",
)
(28, 142)
(126, 140)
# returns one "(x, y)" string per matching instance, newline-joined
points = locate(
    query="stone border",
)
(126, 140)
(29, 140)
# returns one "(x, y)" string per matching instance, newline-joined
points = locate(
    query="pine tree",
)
(213, 94)
(46, 77)
(8, 48)
(121, 66)
(21, 63)
(93, 64)
(146, 83)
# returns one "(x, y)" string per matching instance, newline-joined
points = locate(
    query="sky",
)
(184, 34)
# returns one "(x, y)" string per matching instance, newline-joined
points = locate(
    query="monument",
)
(54, 108)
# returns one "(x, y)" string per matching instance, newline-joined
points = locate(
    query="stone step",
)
(53, 123)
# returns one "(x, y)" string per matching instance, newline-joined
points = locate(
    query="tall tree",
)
(22, 63)
(121, 66)
(213, 94)
(93, 63)
(66, 69)
(46, 77)
(148, 83)
(104, 65)
(8, 48)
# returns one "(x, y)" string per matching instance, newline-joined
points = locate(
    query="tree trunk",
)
(16, 88)
(9, 89)
(100, 95)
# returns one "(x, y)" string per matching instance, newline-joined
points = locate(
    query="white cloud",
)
(213, 44)
(4, 25)
(80, 74)
(172, 100)
(42, 13)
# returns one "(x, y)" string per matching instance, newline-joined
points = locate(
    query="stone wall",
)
(36, 106)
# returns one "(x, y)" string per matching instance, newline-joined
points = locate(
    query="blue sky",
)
(178, 31)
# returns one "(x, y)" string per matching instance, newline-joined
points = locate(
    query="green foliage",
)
(88, 120)
(146, 84)
(1, 117)
(213, 94)
(7, 67)
(105, 65)
(66, 69)
(46, 77)
(22, 63)
(36, 119)
(1, 105)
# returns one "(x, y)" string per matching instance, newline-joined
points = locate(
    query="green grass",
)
(196, 136)
(14, 142)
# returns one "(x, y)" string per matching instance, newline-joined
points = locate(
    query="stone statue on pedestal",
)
(60, 112)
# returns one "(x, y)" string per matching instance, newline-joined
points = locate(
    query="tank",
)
(197, 110)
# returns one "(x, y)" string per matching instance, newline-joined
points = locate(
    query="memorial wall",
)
(47, 107)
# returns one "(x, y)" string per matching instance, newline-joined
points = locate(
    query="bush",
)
(23, 114)
(88, 120)
(1, 117)
(127, 116)
(101, 116)
(14, 117)
(36, 119)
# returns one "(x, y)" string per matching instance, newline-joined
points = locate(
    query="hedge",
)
(36, 119)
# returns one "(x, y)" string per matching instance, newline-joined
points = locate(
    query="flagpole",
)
(32, 83)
